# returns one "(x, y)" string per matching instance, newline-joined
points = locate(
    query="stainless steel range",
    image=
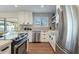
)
(19, 44)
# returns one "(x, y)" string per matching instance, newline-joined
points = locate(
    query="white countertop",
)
(10, 36)
(3, 42)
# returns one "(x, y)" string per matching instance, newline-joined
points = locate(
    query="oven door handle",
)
(20, 44)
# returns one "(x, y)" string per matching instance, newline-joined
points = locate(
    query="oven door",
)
(21, 48)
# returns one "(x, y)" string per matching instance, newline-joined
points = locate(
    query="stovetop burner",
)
(20, 37)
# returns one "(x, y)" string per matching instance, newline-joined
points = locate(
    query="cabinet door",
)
(5, 49)
(30, 36)
(52, 39)
(44, 36)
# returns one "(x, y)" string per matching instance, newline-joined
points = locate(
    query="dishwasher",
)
(36, 36)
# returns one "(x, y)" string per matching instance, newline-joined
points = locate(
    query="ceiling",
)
(33, 8)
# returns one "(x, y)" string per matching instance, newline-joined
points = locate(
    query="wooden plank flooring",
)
(40, 48)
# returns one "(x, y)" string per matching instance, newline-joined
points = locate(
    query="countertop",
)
(11, 36)
(3, 42)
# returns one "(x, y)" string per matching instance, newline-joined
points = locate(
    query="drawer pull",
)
(5, 48)
(51, 38)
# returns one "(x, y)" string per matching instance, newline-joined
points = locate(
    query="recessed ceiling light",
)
(16, 6)
(42, 6)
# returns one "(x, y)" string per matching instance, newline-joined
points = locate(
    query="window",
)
(7, 26)
(1, 26)
(40, 21)
(37, 21)
(10, 26)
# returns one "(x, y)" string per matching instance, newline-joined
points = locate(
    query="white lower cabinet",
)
(52, 39)
(5, 48)
(30, 36)
(52, 42)
(44, 36)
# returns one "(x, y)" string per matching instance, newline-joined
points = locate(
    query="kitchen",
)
(38, 29)
(18, 20)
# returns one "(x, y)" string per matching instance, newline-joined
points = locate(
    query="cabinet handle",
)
(5, 48)
(51, 38)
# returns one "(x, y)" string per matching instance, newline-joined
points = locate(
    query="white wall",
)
(8, 14)
(23, 17)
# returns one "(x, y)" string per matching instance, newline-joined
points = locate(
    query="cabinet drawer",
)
(5, 49)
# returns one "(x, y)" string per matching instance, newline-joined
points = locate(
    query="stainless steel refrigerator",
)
(68, 30)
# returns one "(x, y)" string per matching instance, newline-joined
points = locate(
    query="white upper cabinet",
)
(28, 17)
(22, 17)
(25, 17)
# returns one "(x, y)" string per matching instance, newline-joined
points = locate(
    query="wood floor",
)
(40, 48)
